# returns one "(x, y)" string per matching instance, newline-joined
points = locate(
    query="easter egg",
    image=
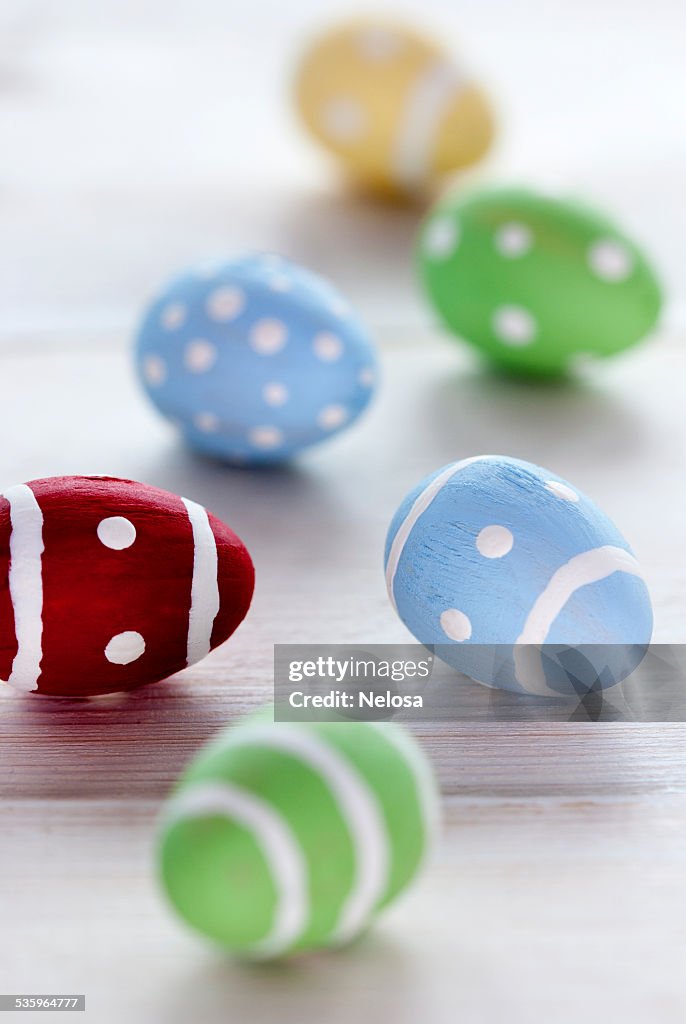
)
(255, 359)
(536, 284)
(519, 580)
(283, 837)
(107, 584)
(392, 105)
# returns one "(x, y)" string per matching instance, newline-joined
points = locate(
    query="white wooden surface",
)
(559, 892)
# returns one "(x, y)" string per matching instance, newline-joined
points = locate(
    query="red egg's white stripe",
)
(26, 585)
(204, 585)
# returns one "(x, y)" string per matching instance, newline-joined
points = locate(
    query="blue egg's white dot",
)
(366, 377)
(513, 240)
(173, 316)
(456, 625)
(328, 347)
(116, 532)
(265, 437)
(154, 370)
(275, 393)
(280, 283)
(225, 304)
(441, 238)
(494, 541)
(200, 355)
(332, 416)
(339, 307)
(207, 422)
(610, 260)
(514, 326)
(125, 647)
(561, 490)
(268, 336)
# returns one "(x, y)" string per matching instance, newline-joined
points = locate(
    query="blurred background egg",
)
(392, 105)
(255, 359)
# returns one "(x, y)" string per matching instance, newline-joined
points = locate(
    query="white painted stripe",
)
(426, 105)
(420, 505)
(204, 587)
(425, 783)
(358, 806)
(277, 842)
(588, 567)
(26, 585)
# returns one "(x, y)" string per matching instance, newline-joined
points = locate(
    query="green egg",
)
(534, 282)
(282, 837)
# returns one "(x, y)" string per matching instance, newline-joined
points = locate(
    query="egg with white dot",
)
(268, 360)
(536, 282)
(393, 106)
(517, 579)
(108, 584)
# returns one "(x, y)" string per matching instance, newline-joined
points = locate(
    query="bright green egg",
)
(282, 837)
(536, 283)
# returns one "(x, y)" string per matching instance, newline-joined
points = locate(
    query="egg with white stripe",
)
(283, 837)
(518, 578)
(392, 105)
(537, 284)
(110, 584)
(260, 359)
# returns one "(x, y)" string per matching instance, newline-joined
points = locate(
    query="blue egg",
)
(519, 580)
(255, 359)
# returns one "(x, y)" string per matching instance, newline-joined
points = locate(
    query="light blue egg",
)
(255, 358)
(492, 558)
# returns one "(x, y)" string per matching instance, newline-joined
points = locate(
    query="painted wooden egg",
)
(521, 581)
(536, 283)
(283, 837)
(392, 105)
(109, 584)
(255, 359)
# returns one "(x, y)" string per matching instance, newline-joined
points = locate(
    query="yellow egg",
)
(392, 105)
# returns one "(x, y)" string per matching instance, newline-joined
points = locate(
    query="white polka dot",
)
(561, 490)
(610, 260)
(339, 307)
(441, 238)
(280, 283)
(268, 337)
(514, 326)
(366, 377)
(343, 119)
(200, 355)
(225, 303)
(116, 532)
(207, 422)
(125, 648)
(208, 269)
(494, 541)
(265, 437)
(173, 315)
(513, 240)
(275, 393)
(332, 416)
(378, 44)
(154, 370)
(327, 347)
(456, 625)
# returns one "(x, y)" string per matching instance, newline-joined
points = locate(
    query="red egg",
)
(108, 584)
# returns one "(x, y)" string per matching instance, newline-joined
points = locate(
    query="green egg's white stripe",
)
(26, 585)
(204, 585)
(425, 784)
(432, 92)
(358, 806)
(420, 505)
(588, 567)
(279, 846)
